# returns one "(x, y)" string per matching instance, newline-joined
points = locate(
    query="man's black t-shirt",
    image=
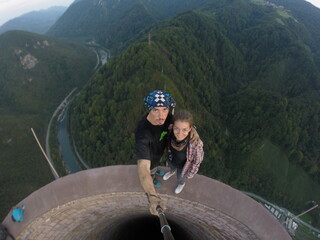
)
(151, 140)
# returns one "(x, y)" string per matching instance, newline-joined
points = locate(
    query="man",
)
(151, 141)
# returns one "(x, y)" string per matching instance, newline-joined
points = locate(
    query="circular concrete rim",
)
(124, 179)
(103, 212)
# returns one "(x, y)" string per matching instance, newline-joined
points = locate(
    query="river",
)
(68, 153)
(66, 149)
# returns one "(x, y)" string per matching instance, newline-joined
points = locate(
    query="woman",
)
(184, 157)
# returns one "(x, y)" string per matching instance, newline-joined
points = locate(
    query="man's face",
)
(158, 115)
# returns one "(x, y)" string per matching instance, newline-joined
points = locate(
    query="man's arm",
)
(145, 176)
(147, 185)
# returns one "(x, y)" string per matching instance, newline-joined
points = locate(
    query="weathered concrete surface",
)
(92, 203)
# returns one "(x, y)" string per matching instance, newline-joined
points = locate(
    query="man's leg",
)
(160, 172)
(153, 172)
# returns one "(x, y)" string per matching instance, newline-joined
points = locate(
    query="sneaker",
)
(168, 175)
(156, 183)
(179, 188)
(160, 172)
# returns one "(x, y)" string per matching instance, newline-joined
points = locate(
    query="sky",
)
(314, 2)
(10, 9)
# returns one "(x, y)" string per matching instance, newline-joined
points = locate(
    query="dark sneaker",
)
(156, 183)
(160, 173)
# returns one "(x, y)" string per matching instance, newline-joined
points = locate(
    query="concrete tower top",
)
(98, 203)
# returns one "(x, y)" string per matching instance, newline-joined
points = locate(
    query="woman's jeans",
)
(173, 168)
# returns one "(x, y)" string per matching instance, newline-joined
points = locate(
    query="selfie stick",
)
(165, 228)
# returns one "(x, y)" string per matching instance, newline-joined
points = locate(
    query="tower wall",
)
(101, 204)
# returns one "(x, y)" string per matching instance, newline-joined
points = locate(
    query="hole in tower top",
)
(143, 228)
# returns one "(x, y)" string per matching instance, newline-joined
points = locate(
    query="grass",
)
(269, 158)
(287, 180)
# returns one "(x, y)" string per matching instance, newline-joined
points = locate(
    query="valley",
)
(251, 79)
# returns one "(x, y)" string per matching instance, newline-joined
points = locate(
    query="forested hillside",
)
(114, 24)
(251, 80)
(309, 16)
(36, 74)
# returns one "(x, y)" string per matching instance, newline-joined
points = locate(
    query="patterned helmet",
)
(159, 98)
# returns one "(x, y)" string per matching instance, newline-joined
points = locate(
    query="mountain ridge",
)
(109, 27)
(35, 21)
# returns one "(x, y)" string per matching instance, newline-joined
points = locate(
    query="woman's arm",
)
(194, 159)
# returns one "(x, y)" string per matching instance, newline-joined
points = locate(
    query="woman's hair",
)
(183, 116)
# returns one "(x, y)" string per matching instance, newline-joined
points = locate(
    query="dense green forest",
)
(251, 81)
(36, 74)
(114, 24)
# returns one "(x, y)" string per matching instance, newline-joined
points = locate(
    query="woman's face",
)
(181, 129)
